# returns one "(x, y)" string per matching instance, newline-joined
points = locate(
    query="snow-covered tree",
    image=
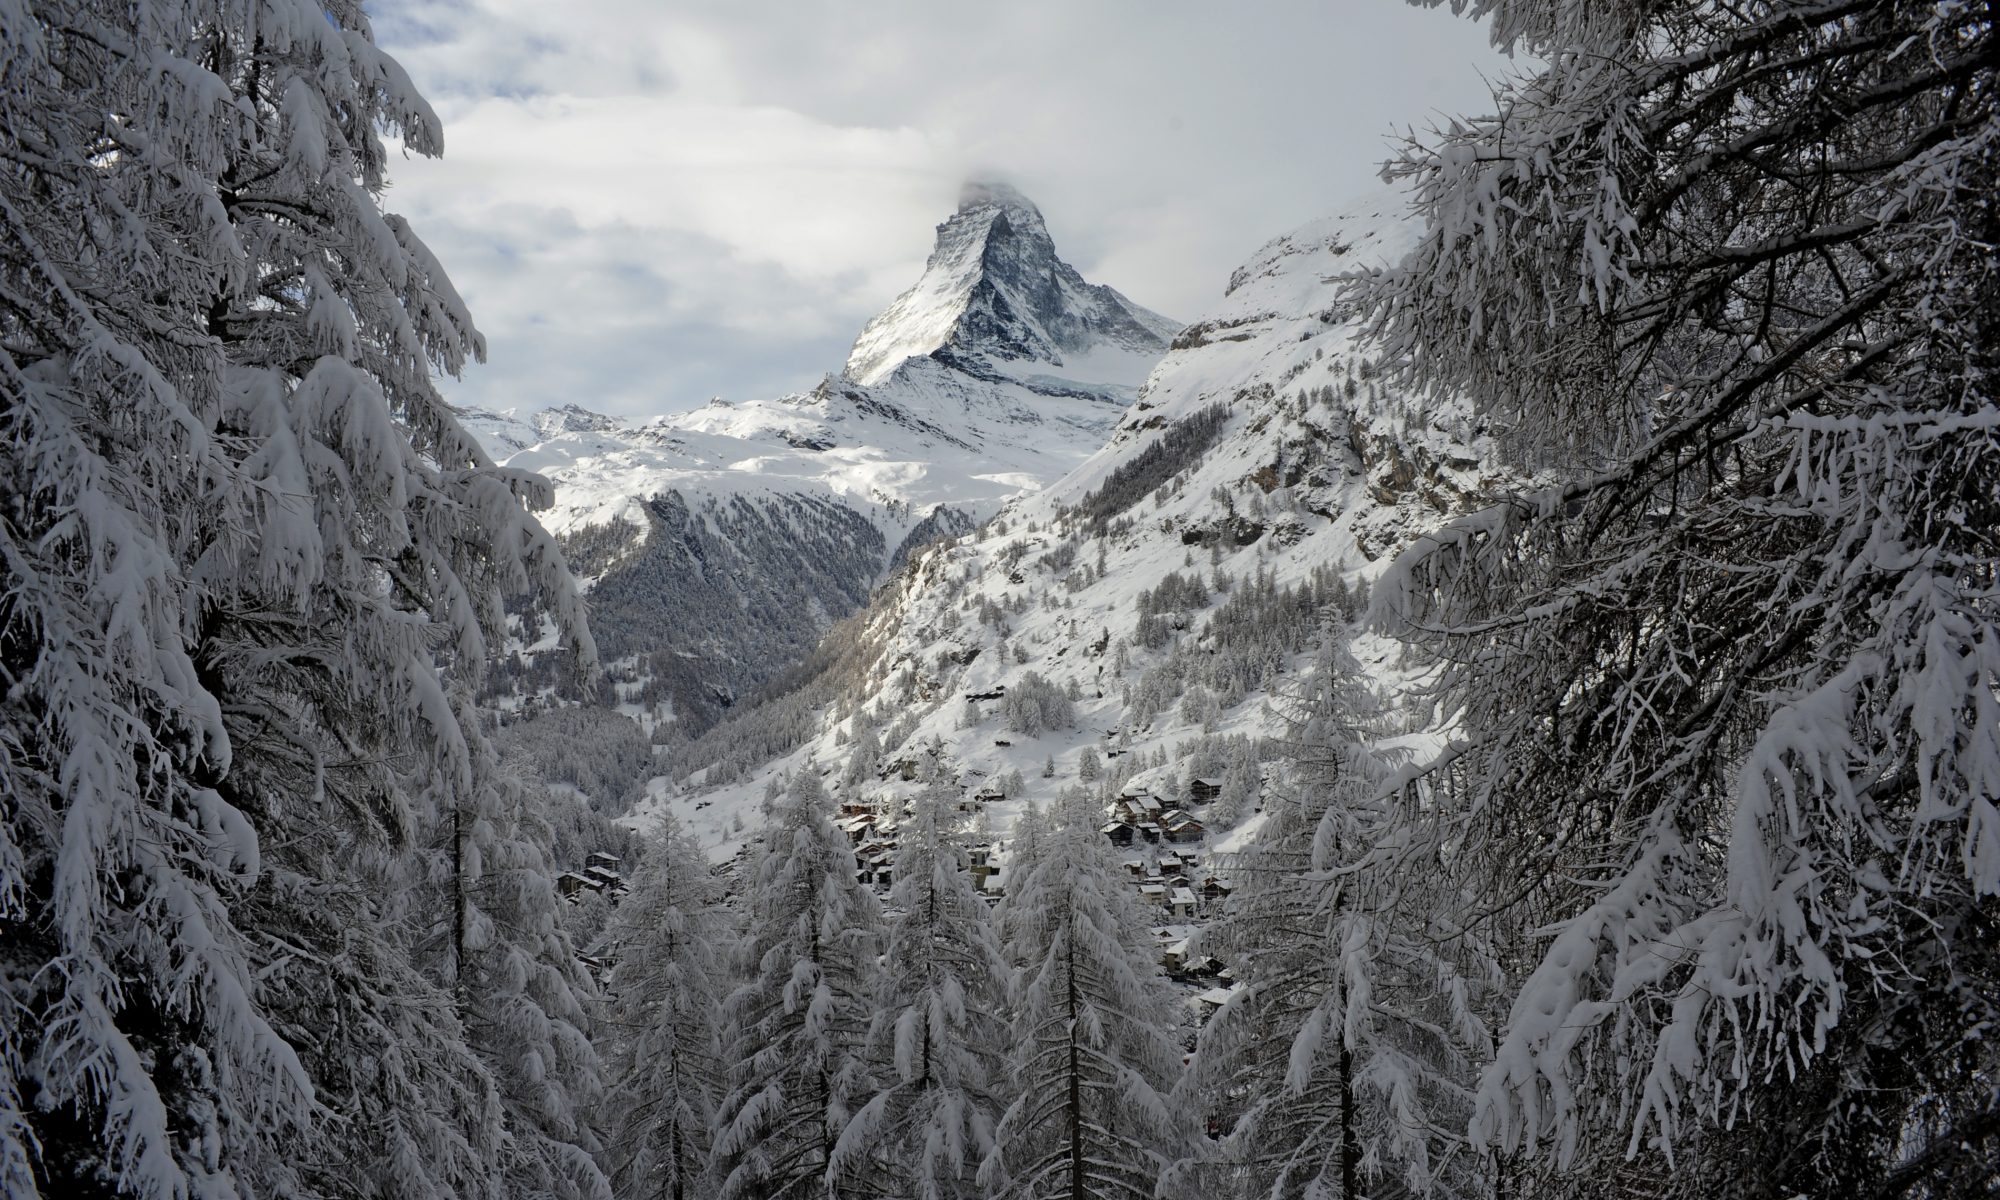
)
(520, 981)
(866, 752)
(1344, 1066)
(796, 1028)
(1092, 1060)
(253, 568)
(939, 1030)
(668, 946)
(1025, 851)
(1034, 704)
(1242, 784)
(1726, 689)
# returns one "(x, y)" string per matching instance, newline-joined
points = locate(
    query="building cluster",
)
(600, 874)
(1138, 816)
(872, 833)
(1165, 841)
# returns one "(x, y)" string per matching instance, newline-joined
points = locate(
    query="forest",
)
(1695, 891)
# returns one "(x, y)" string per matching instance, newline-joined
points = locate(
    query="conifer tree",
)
(795, 1029)
(521, 981)
(939, 1033)
(1016, 922)
(1344, 1065)
(669, 945)
(254, 567)
(1092, 1061)
(1725, 689)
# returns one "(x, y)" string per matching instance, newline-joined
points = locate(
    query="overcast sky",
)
(649, 203)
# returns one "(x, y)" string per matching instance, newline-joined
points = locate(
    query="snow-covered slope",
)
(739, 531)
(1172, 584)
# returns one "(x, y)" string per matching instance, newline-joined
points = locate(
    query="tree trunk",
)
(1075, 1084)
(1350, 1148)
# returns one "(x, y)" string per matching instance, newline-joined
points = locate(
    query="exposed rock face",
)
(994, 290)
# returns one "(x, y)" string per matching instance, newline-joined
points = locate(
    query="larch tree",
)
(1093, 1062)
(253, 568)
(939, 1033)
(1343, 1066)
(1725, 689)
(519, 978)
(669, 946)
(796, 1027)
(1017, 923)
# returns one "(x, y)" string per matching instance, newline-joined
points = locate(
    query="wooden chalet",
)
(979, 863)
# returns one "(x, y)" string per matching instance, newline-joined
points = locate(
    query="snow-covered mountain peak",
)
(989, 199)
(573, 418)
(995, 296)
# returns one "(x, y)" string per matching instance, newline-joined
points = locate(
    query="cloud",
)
(649, 204)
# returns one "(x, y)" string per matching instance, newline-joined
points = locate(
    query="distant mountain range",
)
(720, 543)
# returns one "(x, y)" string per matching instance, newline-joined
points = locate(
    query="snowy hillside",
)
(721, 543)
(1130, 623)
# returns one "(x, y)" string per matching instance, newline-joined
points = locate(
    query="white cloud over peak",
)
(647, 204)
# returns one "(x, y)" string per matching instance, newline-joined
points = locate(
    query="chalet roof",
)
(1182, 896)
